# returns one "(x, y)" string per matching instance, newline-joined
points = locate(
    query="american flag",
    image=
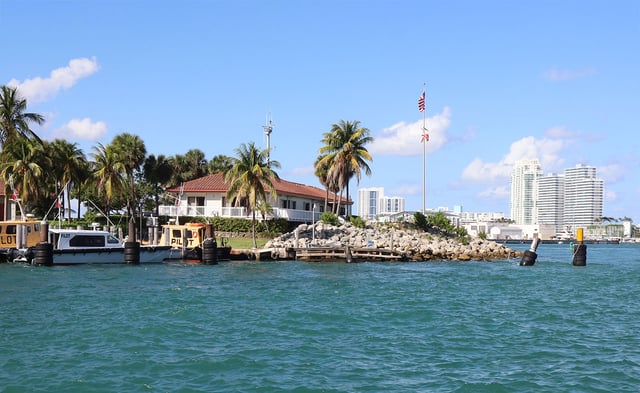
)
(421, 102)
(425, 136)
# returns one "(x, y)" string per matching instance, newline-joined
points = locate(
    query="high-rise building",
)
(372, 203)
(524, 181)
(583, 196)
(551, 201)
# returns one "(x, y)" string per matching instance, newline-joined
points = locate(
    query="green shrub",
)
(329, 218)
(357, 221)
(420, 220)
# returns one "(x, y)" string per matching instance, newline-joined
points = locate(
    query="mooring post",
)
(131, 246)
(209, 247)
(529, 257)
(580, 249)
(43, 254)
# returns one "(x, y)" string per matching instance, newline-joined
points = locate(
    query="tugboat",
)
(187, 239)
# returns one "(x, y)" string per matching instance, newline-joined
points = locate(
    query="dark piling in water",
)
(209, 247)
(530, 256)
(43, 254)
(131, 246)
(580, 250)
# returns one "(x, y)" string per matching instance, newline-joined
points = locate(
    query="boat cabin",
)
(183, 236)
(19, 234)
(73, 239)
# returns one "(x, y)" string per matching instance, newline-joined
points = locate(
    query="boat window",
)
(87, 241)
(11, 229)
(176, 233)
(113, 240)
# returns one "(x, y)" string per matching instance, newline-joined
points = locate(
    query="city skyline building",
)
(524, 181)
(372, 203)
(583, 197)
(551, 201)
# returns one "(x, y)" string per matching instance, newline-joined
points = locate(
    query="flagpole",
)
(422, 108)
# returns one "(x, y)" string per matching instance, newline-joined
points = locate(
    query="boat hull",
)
(148, 254)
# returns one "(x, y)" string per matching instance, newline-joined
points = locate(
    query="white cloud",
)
(611, 173)
(83, 129)
(405, 139)
(610, 195)
(563, 75)
(546, 150)
(405, 189)
(500, 192)
(41, 89)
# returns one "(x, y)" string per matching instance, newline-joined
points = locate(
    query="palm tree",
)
(23, 167)
(220, 163)
(250, 178)
(130, 152)
(345, 154)
(321, 167)
(196, 163)
(70, 165)
(14, 121)
(109, 174)
(157, 172)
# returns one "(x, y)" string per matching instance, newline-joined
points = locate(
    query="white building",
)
(583, 197)
(524, 180)
(551, 201)
(372, 204)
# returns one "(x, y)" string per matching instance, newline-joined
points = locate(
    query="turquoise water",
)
(326, 327)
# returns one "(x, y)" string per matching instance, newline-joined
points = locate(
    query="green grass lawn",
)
(241, 242)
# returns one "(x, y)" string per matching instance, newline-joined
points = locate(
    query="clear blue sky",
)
(506, 80)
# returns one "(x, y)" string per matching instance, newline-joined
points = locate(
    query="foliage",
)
(250, 178)
(420, 221)
(329, 218)
(439, 220)
(221, 163)
(343, 156)
(357, 221)
(482, 235)
(14, 120)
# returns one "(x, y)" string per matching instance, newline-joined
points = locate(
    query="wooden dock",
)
(346, 254)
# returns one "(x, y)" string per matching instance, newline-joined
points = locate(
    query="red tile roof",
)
(215, 183)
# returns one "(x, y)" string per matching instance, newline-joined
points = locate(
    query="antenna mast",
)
(267, 131)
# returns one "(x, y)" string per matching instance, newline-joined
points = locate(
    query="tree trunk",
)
(253, 228)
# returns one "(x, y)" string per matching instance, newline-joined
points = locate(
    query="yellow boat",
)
(188, 239)
(16, 235)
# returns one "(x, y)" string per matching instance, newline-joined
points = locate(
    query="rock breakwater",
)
(416, 245)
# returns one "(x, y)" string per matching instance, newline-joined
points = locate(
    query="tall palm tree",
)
(196, 163)
(321, 170)
(22, 168)
(130, 152)
(109, 174)
(220, 163)
(14, 121)
(250, 178)
(345, 154)
(157, 172)
(70, 165)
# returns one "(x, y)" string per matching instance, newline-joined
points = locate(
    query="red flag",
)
(421, 102)
(58, 203)
(425, 136)
(14, 196)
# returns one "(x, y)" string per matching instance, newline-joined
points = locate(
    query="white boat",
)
(83, 246)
